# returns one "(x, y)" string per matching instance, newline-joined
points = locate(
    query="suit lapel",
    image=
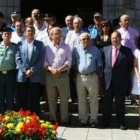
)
(109, 54)
(119, 56)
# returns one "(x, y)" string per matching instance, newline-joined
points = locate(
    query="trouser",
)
(28, 96)
(119, 105)
(54, 86)
(73, 93)
(87, 85)
(7, 91)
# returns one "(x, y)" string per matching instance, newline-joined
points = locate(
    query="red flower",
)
(55, 126)
(28, 132)
(11, 112)
(24, 113)
(27, 124)
(1, 134)
(2, 118)
(3, 128)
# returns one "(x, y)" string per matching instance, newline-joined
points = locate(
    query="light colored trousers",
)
(88, 84)
(54, 86)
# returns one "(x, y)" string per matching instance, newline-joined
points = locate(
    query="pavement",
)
(112, 133)
(86, 133)
(68, 133)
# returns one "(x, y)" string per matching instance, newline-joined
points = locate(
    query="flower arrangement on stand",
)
(23, 125)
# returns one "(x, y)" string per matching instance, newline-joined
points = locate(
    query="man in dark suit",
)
(29, 59)
(118, 64)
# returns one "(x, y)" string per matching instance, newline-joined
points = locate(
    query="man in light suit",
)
(117, 77)
(69, 26)
(29, 60)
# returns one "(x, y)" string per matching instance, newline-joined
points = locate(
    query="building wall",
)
(114, 8)
(8, 6)
(111, 9)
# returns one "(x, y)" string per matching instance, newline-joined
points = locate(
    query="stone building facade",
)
(114, 8)
(111, 9)
(8, 6)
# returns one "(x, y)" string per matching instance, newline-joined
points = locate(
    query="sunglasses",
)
(85, 39)
(105, 26)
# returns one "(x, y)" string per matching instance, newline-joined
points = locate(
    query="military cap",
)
(6, 29)
(1, 14)
(49, 16)
(15, 14)
(97, 15)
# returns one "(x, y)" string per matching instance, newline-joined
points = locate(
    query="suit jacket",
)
(118, 75)
(35, 63)
(64, 32)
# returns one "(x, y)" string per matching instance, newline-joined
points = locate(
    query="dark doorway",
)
(84, 10)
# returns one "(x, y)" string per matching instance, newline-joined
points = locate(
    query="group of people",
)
(69, 62)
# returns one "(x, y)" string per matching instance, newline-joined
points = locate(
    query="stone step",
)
(130, 118)
(73, 107)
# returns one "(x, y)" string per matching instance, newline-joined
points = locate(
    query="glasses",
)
(85, 39)
(105, 26)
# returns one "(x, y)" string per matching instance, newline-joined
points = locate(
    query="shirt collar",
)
(77, 33)
(58, 45)
(118, 47)
(126, 29)
(2, 43)
(41, 29)
(69, 29)
(30, 44)
(87, 48)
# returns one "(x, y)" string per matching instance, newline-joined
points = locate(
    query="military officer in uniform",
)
(7, 71)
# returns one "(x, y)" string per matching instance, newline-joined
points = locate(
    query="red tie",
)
(114, 57)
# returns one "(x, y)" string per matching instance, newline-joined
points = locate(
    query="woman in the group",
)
(136, 77)
(105, 32)
(102, 40)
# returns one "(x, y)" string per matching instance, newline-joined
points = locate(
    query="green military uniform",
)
(7, 76)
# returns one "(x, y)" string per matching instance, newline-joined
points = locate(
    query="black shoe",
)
(93, 125)
(123, 127)
(134, 103)
(104, 125)
(65, 124)
(81, 124)
(101, 100)
(42, 98)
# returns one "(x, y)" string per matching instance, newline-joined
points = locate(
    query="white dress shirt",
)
(16, 38)
(73, 39)
(30, 49)
(128, 37)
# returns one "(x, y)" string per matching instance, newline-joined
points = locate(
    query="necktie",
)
(114, 57)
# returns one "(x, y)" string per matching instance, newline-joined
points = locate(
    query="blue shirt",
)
(12, 27)
(93, 31)
(87, 60)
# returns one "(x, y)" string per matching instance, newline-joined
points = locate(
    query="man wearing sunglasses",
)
(87, 61)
